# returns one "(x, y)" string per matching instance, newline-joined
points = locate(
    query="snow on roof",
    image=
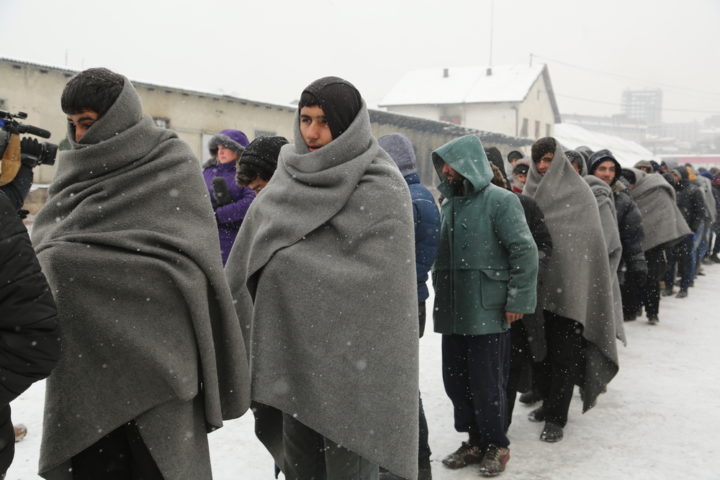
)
(507, 83)
(627, 152)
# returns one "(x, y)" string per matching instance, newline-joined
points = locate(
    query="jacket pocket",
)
(494, 288)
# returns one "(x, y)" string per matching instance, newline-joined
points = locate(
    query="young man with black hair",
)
(633, 269)
(258, 162)
(323, 274)
(576, 293)
(129, 244)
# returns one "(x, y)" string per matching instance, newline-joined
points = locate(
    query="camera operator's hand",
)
(11, 159)
(30, 150)
(16, 177)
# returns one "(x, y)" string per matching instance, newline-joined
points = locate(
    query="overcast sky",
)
(269, 50)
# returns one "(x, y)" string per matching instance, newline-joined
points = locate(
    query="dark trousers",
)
(635, 296)
(310, 456)
(681, 254)
(475, 374)
(562, 368)
(423, 445)
(7, 440)
(650, 292)
(119, 455)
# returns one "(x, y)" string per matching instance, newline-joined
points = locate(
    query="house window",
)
(162, 122)
(548, 130)
(2, 103)
(537, 129)
(524, 129)
(264, 133)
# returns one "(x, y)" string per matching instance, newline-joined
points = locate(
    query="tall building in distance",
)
(643, 105)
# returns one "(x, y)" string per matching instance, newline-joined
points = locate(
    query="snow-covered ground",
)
(660, 418)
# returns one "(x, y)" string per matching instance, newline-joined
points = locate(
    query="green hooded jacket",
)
(487, 262)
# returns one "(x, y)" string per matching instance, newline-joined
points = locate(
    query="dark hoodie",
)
(689, 199)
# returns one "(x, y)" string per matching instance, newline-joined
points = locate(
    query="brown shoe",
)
(20, 432)
(494, 461)
(462, 457)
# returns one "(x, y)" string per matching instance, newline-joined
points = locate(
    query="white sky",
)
(269, 50)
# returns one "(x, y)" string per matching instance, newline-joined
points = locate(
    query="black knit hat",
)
(339, 100)
(600, 156)
(262, 153)
(514, 155)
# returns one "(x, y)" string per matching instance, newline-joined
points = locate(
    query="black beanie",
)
(338, 98)
(262, 153)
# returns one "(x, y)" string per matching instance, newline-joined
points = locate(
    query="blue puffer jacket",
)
(425, 211)
(427, 231)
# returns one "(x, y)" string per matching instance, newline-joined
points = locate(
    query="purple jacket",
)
(229, 217)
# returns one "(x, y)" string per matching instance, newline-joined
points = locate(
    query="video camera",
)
(33, 153)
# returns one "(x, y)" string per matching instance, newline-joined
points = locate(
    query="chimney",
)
(488, 72)
(446, 72)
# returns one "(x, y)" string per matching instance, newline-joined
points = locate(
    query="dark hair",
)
(543, 146)
(498, 177)
(246, 173)
(94, 89)
(514, 155)
(575, 158)
(629, 175)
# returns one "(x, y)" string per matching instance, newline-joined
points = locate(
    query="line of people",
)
(292, 282)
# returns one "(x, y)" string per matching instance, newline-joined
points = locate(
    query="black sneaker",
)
(462, 457)
(682, 293)
(494, 461)
(529, 398)
(715, 258)
(629, 317)
(537, 415)
(551, 433)
(653, 320)
(666, 292)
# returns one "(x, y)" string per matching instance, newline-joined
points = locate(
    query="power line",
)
(619, 75)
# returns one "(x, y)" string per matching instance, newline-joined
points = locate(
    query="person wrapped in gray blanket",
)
(323, 271)
(153, 355)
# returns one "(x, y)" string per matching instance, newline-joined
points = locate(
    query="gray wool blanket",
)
(608, 219)
(662, 221)
(578, 279)
(323, 271)
(129, 245)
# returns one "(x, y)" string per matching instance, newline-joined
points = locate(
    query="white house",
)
(515, 100)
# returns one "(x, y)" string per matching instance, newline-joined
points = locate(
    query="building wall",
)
(430, 112)
(537, 107)
(502, 117)
(491, 117)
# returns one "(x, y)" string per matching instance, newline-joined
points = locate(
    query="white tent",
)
(627, 152)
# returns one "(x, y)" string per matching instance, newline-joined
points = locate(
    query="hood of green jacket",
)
(466, 156)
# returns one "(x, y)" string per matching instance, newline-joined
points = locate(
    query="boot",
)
(551, 433)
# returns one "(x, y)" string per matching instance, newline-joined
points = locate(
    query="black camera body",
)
(34, 153)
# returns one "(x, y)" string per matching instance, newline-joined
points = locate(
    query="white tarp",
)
(627, 152)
